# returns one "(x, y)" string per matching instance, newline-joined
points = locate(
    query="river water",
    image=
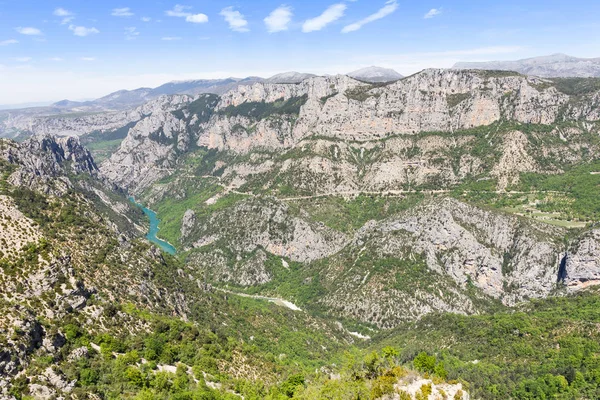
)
(153, 230)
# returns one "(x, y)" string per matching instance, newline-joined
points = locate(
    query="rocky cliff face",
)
(581, 266)
(45, 161)
(279, 117)
(432, 254)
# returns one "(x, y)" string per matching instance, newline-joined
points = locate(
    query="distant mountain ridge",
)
(123, 99)
(552, 66)
(375, 75)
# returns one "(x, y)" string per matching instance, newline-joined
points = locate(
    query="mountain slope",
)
(80, 287)
(553, 66)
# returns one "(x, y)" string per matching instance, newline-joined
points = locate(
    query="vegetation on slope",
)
(262, 110)
(545, 349)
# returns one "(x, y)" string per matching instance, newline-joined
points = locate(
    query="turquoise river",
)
(153, 231)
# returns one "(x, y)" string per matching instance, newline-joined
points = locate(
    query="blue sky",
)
(84, 49)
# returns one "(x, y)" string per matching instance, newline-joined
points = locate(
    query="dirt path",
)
(275, 300)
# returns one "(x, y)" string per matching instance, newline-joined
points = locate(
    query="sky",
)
(81, 49)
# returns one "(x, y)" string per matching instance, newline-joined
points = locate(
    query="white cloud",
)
(122, 12)
(333, 13)
(61, 12)
(29, 31)
(131, 33)
(433, 13)
(389, 8)
(88, 59)
(279, 19)
(7, 42)
(82, 30)
(197, 18)
(56, 59)
(22, 59)
(146, 19)
(170, 38)
(236, 20)
(179, 11)
(67, 16)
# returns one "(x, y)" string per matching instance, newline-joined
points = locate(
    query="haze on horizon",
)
(76, 50)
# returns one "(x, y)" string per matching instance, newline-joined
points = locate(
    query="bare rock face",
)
(254, 224)
(79, 353)
(581, 267)
(433, 100)
(44, 161)
(57, 380)
(505, 257)
(148, 153)
(188, 222)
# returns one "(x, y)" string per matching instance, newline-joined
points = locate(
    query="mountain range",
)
(124, 99)
(553, 66)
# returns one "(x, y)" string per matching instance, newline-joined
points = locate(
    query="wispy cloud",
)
(333, 13)
(131, 33)
(236, 20)
(82, 30)
(182, 12)
(434, 12)
(7, 42)
(88, 58)
(279, 19)
(66, 15)
(146, 19)
(178, 11)
(22, 59)
(29, 31)
(122, 12)
(55, 59)
(61, 12)
(170, 38)
(389, 8)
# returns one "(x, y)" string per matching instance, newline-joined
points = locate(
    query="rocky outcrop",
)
(506, 257)
(582, 264)
(264, 224)
(187, 223)
(44, 162)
